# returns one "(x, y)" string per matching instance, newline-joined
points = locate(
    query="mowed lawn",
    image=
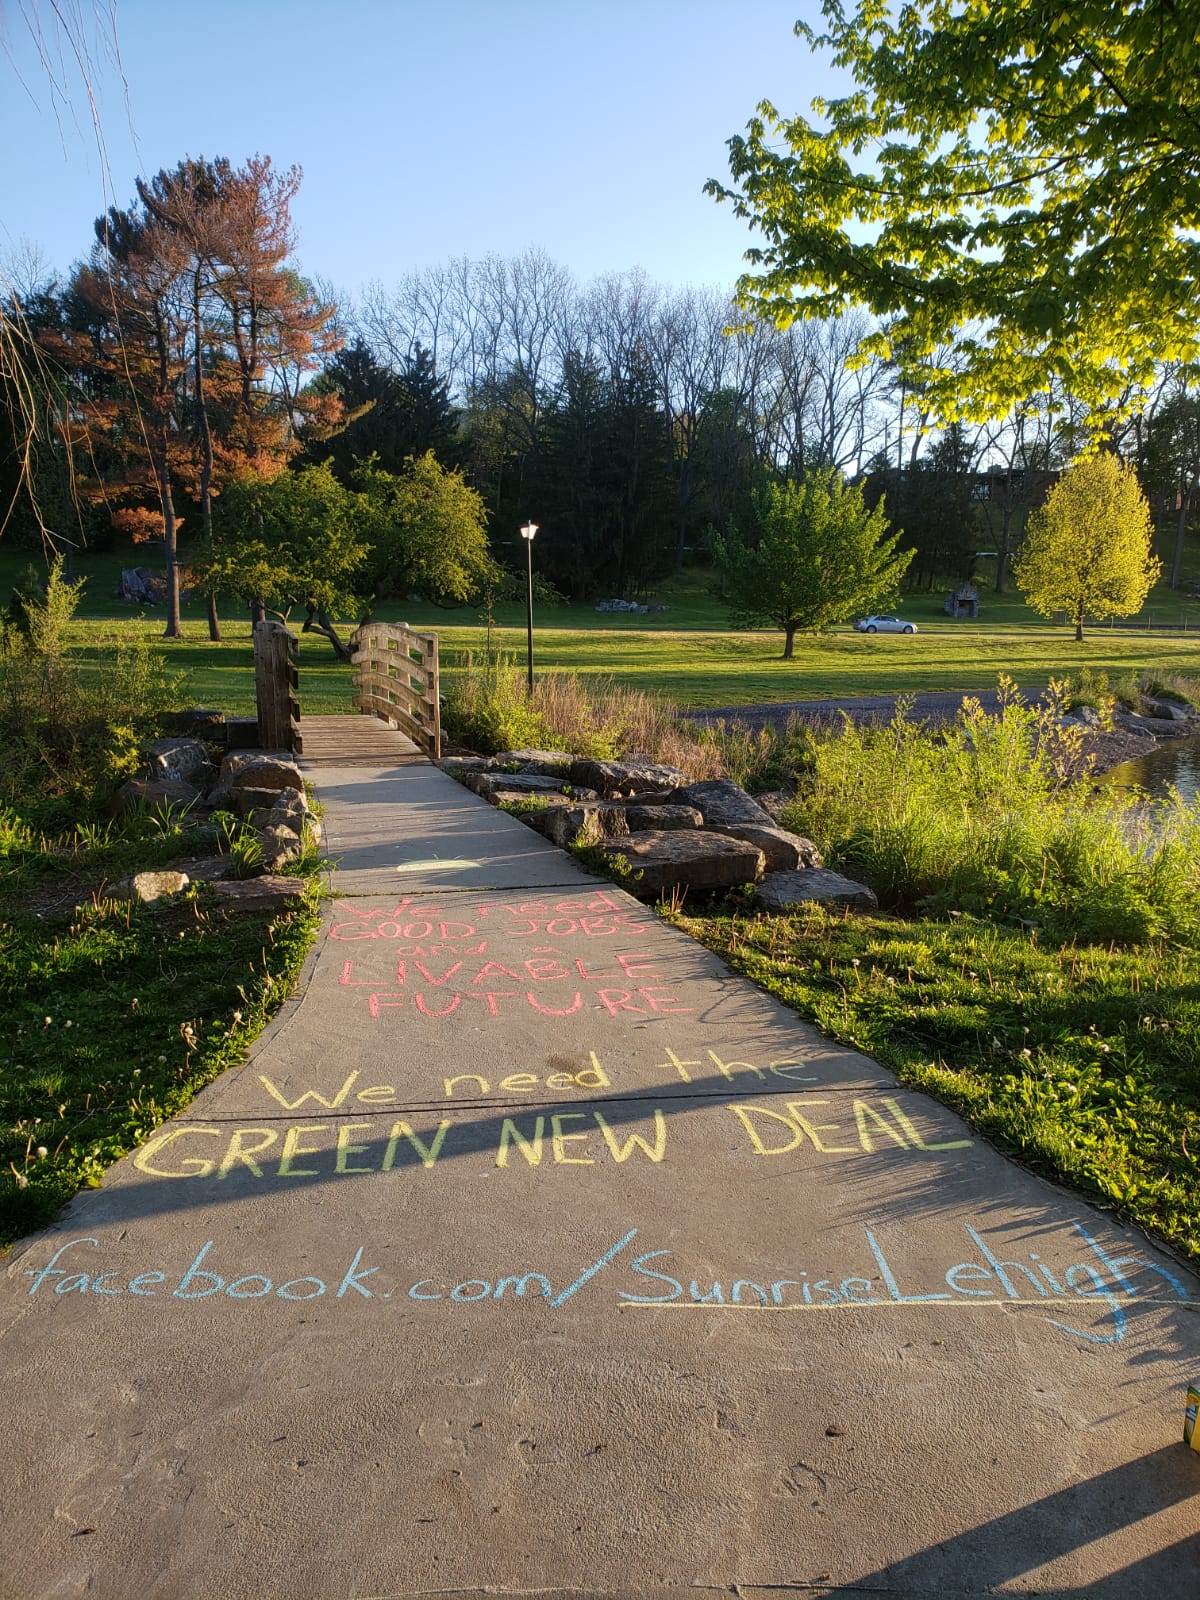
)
(692, 669)
(686, 652)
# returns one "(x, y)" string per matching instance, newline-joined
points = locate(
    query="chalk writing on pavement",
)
(631, 1277)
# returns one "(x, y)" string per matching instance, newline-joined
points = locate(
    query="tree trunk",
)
(789, 636)
(174, 629)
(1079, 627)
(318, 622)
(206, 449)
(1185, 503)
(1005, 550)
(258, 612)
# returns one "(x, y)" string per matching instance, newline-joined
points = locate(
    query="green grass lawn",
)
(113, 1015)
(687, 652)
(1080, 1060)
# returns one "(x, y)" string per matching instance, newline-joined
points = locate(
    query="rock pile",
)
(262, 790)
(672, 833)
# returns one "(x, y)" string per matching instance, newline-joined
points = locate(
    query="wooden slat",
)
(396, 678)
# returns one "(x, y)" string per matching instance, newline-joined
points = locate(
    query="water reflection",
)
(1174, 765)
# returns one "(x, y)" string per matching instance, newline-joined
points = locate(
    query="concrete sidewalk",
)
(532, 1252)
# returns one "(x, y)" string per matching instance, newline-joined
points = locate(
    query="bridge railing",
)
(276, 687)
(396, 678)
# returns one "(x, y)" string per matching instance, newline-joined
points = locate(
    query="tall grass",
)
(995, 816)
(488, 709)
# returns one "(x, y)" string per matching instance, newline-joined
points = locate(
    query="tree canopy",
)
(1020, 175)
(1087, 550)
(822, 555)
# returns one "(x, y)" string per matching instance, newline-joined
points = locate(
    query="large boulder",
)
(720, 801)
(181, 761)
(784, 851)
(643, 819)
(785, 891)
(586, 824)
(152, 792)
(455, 766)
(489, 784)
(625, 777)
(247, 770)
(688, 859)
(550, 763)
(1169, 710)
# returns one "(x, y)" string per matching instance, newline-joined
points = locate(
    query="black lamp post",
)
(527, 533)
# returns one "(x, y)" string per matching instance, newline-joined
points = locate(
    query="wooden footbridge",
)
(396, 689)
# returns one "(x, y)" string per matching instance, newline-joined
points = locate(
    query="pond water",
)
(1173, 765)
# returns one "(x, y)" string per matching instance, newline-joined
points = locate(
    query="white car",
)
(884, 625)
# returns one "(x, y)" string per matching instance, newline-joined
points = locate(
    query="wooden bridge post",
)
(277, 687)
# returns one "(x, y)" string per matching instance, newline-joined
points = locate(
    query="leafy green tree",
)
(428, 531)
(299, 538)
(822, 555)
(1033, 187)
(1087, 550)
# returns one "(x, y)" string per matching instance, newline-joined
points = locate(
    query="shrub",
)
(992, 817)
(487, 709)
(69, 733)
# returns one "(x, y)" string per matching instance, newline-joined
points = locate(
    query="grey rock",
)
(687, 858)
(584, 825)
(650, 797)
(246, 770)
(456, 765)
(1130, 722)
(1168, 710)
(782, 891)
(522, 797)
(259, 894)
(280, 845)
(550, 763)
(207, 869)
(220, 797)
(784, 851)
(181, 761)
(150, 887)
(293, 801)
(625, 777)
(721, 801)
(245, 802)
(151, 792)
(642, 818)
(488, 784)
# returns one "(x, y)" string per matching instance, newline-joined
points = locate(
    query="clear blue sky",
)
(425, 130)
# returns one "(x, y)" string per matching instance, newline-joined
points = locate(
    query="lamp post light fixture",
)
(527, 533)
